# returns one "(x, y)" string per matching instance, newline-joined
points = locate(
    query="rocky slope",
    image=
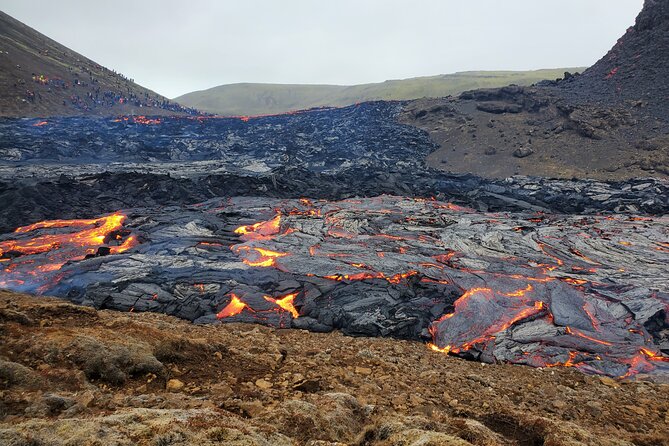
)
(611, 122)
(73, 375)
(637, 67)
(40, 77)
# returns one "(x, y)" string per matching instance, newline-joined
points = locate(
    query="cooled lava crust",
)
(283, 221)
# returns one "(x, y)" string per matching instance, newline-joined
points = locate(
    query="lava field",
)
(330, 220)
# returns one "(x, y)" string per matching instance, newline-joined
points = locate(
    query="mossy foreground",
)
(74, 375)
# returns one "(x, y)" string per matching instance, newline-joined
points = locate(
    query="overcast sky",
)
(177, 46)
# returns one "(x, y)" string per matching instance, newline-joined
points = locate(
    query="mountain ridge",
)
(247, 98)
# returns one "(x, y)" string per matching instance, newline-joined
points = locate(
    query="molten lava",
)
(235, 307)
(258, 256)
(492, 299)
(358, 276)
(30, 258)
(573, 331)
(146, 121)
(286, 303)
(395, 279)
(260, 231)
(486, 330)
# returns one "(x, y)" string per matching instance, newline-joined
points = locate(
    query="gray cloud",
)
(176, 46)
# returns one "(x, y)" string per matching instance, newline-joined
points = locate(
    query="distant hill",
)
(40, 77)
(257, 99)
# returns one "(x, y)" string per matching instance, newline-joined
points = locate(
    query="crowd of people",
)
(107, 91)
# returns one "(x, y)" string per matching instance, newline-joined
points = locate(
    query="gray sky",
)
(177, 46)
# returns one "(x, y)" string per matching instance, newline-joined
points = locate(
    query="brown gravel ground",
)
(71, 375)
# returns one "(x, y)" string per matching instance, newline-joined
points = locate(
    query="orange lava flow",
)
(453, 207)
(235, 307)
(446, 350)
(495, 328)
(653, 356)
(558, 260)
(260, 231)
(286, 303)
(463, 298)
(568, 363)
(502, 325)
(65, 223)
(444, 258)
(573, 331)
(593, 320)
(358, 276)
(574, 281)
(210, 244)
(394, 279)
(581, 255)
(27, 261)
(260, 257)
(520, 293)
(642, 362)
(397, 278)
(429, 280)
(146, 121)
(94, 236)
(130, 242)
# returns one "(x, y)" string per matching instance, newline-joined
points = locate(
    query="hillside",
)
(40, 77)
(610, 123)
(636, 68)
(256, 99)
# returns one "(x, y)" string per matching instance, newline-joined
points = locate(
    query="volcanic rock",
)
(543, 290)
(522, 152)
(637, 67)
(372, 154)
(175, 385)
(498, 107)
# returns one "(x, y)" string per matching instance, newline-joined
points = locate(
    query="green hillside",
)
(257, 99)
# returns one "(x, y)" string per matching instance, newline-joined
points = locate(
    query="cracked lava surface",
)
(526, 288)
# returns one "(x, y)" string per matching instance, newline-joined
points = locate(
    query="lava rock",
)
(522, 152)
(499, 107)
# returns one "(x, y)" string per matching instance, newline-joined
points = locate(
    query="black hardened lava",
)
(61, 168)
(330, 219)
